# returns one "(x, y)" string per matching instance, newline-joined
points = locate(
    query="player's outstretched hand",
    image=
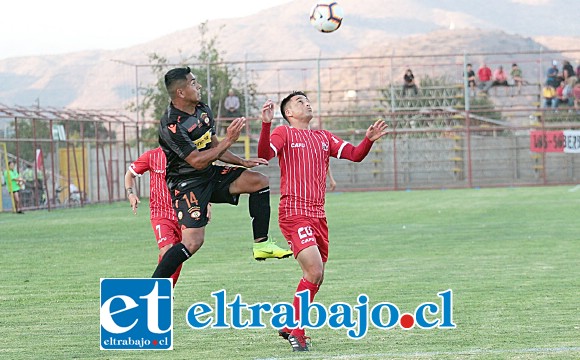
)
(377, 130)
(250, 163)
(234, 130)
(268, 111)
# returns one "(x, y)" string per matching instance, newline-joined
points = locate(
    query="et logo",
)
(136, 314)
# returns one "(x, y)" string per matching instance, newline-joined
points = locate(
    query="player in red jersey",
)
(163, 220)
(303, 156)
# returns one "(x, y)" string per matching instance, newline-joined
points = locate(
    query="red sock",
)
(175, 275)
(302, 285)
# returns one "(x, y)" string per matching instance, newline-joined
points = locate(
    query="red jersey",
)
(154, 161)
(303, 157)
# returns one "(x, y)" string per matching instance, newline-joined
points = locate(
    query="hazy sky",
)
(38, 27)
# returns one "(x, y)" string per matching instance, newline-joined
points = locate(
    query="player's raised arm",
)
(264, 149)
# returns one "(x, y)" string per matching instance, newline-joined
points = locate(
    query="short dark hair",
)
(11, 162)
(469, 65)
(287, 98)
(173, 77)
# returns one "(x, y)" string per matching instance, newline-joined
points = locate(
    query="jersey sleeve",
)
(174, 136)
(270, 145)
(278, 139)
(336, 144)
(141, 165)
(343, 150)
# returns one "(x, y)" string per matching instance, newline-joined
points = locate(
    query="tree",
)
(208, 58)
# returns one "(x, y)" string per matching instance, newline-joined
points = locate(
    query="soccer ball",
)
(326, 16)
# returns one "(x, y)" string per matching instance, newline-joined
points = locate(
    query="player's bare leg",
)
(312, 266)
(192, 240)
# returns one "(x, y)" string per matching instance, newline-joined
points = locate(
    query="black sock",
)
(260, 212)
(176, 255)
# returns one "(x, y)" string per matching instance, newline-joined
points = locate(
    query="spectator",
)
(553, 79)
(576, 93)
(471, 79)
(14, 183)
(568, 91)
(560, 98)
(409, 82)
(232, 105)
(567, 70)
(500, 78)
(549, 96)
(484, 75)
(517, 77)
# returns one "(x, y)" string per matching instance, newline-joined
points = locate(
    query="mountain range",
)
(281, 34)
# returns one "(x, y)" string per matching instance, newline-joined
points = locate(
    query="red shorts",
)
(167, 232)
(301, 232)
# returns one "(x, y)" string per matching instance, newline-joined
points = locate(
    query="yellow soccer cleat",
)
(269, 250)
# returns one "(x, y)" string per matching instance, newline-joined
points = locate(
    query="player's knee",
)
(315, 275)
(259, 180)
(263, 181)
(192, 244)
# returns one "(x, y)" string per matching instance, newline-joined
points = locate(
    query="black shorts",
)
(190, 199)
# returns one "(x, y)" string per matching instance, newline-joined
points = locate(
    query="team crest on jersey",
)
(204, 118)
(180, 215)
(324, 146)
(195, 212)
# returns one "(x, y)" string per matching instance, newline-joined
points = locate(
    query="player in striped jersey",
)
(163, 220)
(303, 156)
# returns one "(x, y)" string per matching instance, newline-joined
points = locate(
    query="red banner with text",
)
(567, 141)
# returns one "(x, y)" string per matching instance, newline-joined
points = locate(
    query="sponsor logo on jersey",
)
(172, 128)
(203, 140)
(297, 145)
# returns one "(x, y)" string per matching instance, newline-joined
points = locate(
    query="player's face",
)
(192, 90)
(300, 108)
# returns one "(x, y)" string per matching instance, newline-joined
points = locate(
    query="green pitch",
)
(511, 257)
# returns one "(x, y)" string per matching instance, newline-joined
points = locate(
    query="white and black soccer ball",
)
(326, 16)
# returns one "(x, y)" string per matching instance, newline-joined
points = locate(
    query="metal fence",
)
(443, 137)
